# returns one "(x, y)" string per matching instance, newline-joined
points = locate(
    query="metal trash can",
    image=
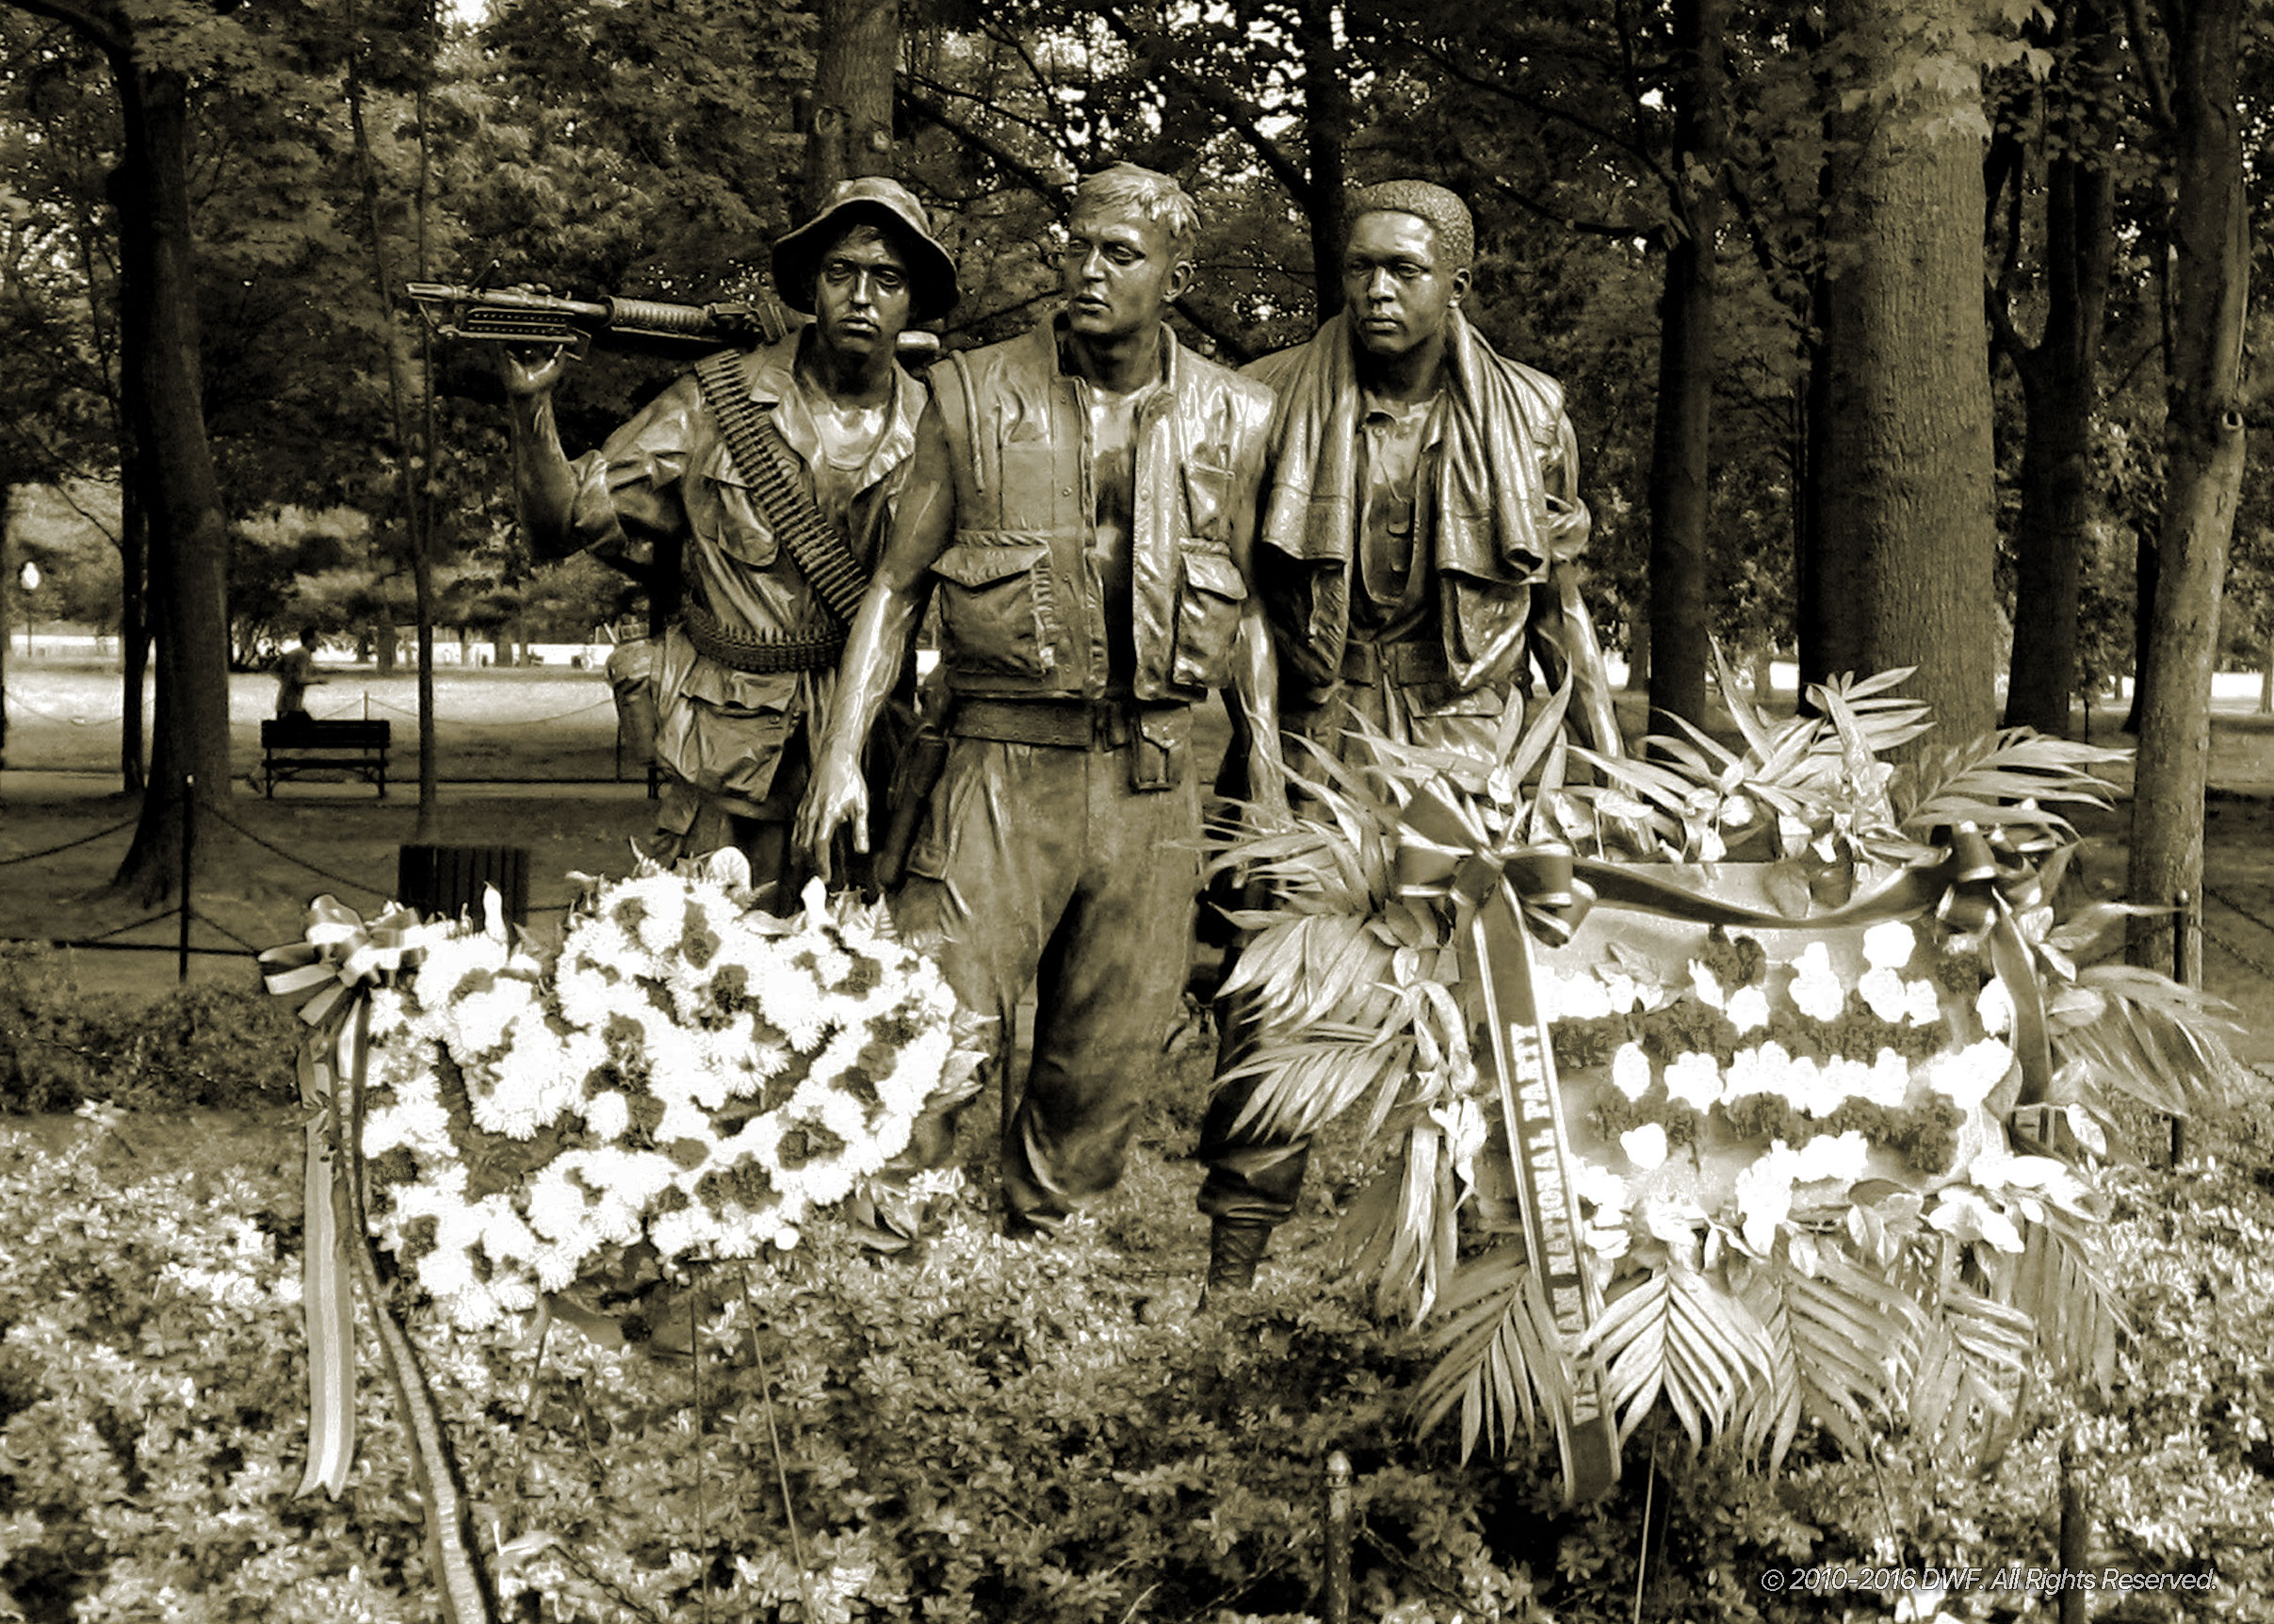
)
(446, 880)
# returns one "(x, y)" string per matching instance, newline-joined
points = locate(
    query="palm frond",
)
(2011, 777)
(1406, 1237)
(1971, 1364)
(1502, 1360)
(1305, 1081)
(2148, 1036)
(1854, 1336)
(2078, 1314)
(1676, 1332)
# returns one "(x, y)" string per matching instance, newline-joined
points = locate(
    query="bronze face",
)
(1397, 284)
(1121, 270)
(861, 296)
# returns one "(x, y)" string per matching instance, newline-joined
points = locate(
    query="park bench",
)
(293, 745)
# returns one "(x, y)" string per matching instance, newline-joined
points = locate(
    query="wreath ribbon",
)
(329, 972)
(1502, 897)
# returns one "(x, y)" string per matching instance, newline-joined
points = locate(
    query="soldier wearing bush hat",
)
(743, 673)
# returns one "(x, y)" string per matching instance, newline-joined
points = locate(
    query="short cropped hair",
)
(1148, 194)
(1446, 214)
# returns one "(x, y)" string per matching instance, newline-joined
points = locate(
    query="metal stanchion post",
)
(1335, 1601)
(2184, 971)
(189, 823)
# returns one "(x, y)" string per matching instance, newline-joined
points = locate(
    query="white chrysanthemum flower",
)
(504, 1234)
(1631, 1070)
(1622, 992)
(385, 1128)
(1706, 984)
(907, 1087)
(1645, 1146)
(480, 1019)
(689, 1232)
(446, 1272)
(607, 1114)
(1841, 1080)
(1694, 1081)
(1836, 1157)
(1816, 989)
(512, 1293)
(1967, 1076)
(557, 1207)
(844, 1116)
(1578, 997)
(557, 1266)
(1924, 1005)
(1763, 1194)
(1748, 1009)
(1887, 994)
(1994, 1005)
(828, 1180)
(1888, 1082)
(1889, 945)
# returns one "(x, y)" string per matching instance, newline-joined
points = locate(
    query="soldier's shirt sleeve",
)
(630, 492)
(1568, 522)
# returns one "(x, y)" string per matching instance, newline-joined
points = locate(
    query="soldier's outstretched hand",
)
(838, 796)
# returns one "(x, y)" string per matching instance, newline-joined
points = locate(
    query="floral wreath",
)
(680, 1071)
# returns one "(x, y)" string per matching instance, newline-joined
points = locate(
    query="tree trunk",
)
(1904, 476)
(850, 132)
(134, 626)
(1682, 435)
(2202, 460)
(1829, 631)
(2061, 384)
(189, 542)
(1329, 117)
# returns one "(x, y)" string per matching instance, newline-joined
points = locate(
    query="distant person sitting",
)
(294, 676)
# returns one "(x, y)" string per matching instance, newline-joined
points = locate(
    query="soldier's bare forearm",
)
(545, 485)
(876, 649)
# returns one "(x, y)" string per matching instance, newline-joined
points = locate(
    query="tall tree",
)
(849, 130)
(1903, 461)
(2196, 100)
(2059, 160)
(1681, 440)
(159, 353)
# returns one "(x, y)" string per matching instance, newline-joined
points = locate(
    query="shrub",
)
(221, 1046)
(995, 1431)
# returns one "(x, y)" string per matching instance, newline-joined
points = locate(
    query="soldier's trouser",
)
(1043, 863)
(1254, 1175)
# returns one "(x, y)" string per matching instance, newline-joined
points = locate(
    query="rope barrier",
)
(528, 722)
(140, 924)
(2243, 957)
(51, 715)
(215, 925)
(68, 845)
(228, 823)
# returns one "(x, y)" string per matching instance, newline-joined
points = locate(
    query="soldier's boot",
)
(1235, 1249)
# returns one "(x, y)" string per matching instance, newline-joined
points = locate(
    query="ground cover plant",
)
(992, 1431)
(998, 1430)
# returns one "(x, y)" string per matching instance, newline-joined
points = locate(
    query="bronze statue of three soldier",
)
(1374, 524)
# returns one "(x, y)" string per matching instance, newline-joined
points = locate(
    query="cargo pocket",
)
(740, 530)
(1160, 748)
(994, 603)
(1207, 497)
(1207, 618)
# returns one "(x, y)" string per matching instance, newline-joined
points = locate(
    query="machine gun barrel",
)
(513, 316)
